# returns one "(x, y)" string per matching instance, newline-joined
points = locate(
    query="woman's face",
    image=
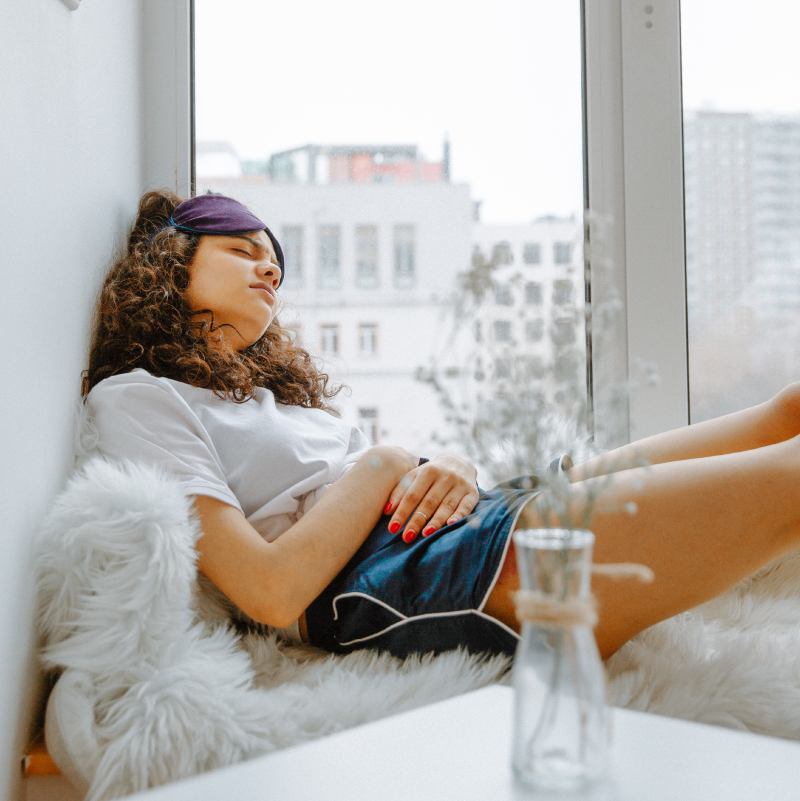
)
(234, 277)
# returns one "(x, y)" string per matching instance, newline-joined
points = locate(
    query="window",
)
(502, 253)
(368, 423)
(535, 367)
(562, 252)
(404, 256)
(741, 201)
(562, 292)
(504, 295)
(534, 330)
(502, 330)
(532, 253)
(502, 368)
(563, 332)
(367, 256)
(330, 339)
(533, 294)
(328, 270)
(383, 233)
(292, 246)
(368, 339)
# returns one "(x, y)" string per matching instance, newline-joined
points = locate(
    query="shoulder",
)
(137, 395)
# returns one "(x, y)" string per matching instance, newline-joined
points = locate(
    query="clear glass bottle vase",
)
(560, 717)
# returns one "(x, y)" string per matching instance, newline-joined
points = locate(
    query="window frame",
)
(633, 150)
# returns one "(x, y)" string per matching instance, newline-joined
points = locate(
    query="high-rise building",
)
(742, 180)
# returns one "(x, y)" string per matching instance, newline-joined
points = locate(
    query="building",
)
(536, 306)
(742, 179)
(742, 189)
(374, 237)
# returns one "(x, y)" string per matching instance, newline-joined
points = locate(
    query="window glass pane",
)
(329, 275)
(292, 245)
(367, 256)
(741, 79)
(404, 256)
(407, 172)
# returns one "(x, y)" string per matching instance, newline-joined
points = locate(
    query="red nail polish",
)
(452, 520)
(428, 530)
(388, 508)
(394, 527)
(408, 536)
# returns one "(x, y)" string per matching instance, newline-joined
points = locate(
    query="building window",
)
(330, 339)
(478, 331)
(563, 332)
(368, 339)
(504, 295)
(404, 256)
(502, 330)
(562, 252)
(368, 423)
(329, 274)
(532, 253)
(366, 256)
(534, 330)
(292, 246)
(562, 292)
(535, 367)
(502, 368)
(502, 253)
(533, 294)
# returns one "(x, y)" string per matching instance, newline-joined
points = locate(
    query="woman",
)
(307, 529)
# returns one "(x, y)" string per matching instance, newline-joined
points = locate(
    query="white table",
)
(459, 749)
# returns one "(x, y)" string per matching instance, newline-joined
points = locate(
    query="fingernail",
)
(388, 508)
(452, 520)
(408, 536)
(394, 527)
(428, 530)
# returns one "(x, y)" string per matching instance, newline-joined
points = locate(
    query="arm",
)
(776, 420)
(274, 582)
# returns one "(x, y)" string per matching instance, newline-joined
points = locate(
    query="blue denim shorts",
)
(423, 597)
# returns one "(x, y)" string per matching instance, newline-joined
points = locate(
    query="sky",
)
(501, 79)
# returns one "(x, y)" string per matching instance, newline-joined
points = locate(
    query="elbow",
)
(279, 612)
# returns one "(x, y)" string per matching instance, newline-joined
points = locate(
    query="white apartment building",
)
(538, 299)
(374, 238)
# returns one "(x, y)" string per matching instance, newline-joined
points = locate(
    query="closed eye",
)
(242, 250)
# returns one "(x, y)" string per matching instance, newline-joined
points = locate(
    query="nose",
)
(272, 274)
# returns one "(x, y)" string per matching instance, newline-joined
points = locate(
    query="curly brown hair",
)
(143, 320)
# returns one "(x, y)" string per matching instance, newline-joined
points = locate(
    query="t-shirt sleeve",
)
(150, 423)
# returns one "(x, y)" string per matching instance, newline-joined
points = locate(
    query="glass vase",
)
(560, 716)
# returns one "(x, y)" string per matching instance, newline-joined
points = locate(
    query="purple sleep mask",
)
(217, 214)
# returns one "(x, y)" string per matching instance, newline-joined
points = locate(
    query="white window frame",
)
(168, 95)
(634, 175)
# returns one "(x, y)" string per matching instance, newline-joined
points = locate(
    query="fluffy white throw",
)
(158, 686)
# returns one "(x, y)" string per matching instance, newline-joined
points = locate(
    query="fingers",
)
(434, 498)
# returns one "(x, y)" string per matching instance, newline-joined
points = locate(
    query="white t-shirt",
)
(270, 461)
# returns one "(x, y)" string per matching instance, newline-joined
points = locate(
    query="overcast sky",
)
(500, 78)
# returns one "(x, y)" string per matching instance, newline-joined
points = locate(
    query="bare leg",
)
(702, 526)
(775, 421)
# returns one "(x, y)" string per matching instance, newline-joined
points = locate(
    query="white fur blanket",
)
(158, 686)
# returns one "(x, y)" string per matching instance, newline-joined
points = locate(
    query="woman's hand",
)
(436, 493)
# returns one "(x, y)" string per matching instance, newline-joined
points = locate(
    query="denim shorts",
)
(423, 597)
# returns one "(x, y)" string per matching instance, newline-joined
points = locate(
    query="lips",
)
(266, 288)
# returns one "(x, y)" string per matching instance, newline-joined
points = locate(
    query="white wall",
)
(71, 173)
